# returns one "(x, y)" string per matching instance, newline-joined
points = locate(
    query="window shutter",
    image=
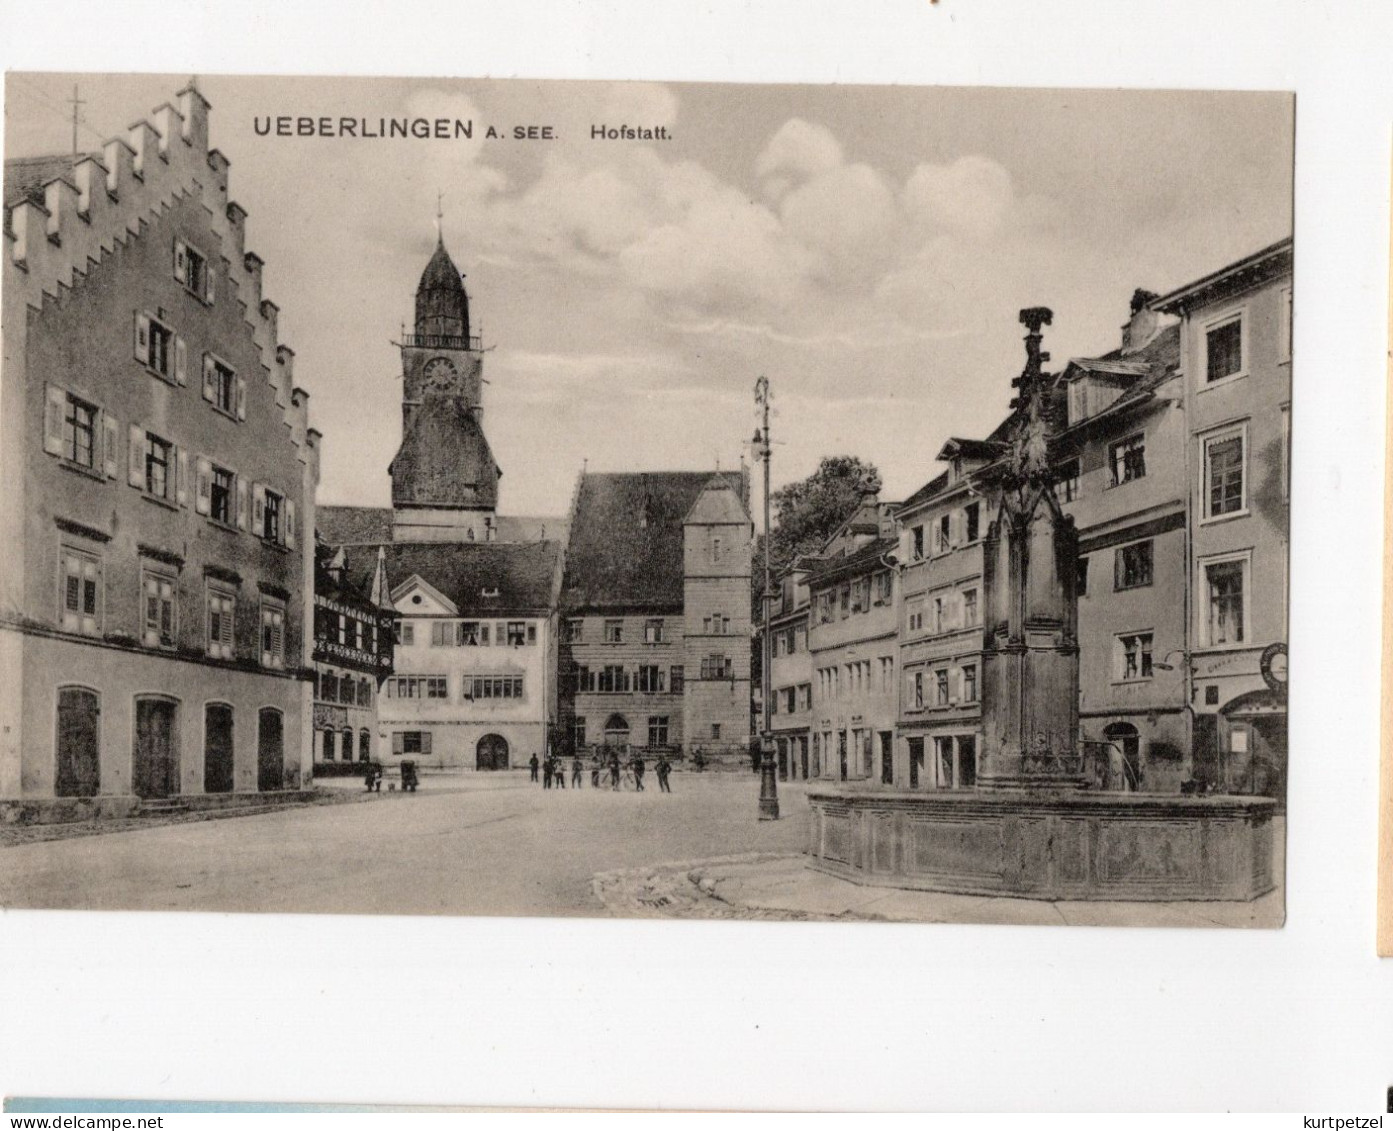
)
(288, 529)
(109, 441)
(258, 507)
(203, 499)
(136, 457)
(241, 503)
(181, 476)
(54, 408)
(241, 398)
(278, 638)
(397, 745)
(209, 378)
(209, 284)
(142, 338)
(425, 742)
(181, 262)
(152, 610)
(181, 361)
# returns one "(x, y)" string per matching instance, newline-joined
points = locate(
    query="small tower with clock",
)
(444, 476)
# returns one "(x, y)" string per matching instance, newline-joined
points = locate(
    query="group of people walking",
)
(553, 770)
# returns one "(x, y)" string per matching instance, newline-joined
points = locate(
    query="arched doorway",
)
(217, 748)
(1125, 738)
(78, 769)
(156, 770)
(491, 753)
(1254, 744)
(270, 750)
(617, 732)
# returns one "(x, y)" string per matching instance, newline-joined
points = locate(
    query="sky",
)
(865, 248)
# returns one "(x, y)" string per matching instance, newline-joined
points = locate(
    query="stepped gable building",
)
(158, 474)
(474, 593)
(655, 651)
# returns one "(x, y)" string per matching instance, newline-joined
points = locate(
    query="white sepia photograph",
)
(864, 503)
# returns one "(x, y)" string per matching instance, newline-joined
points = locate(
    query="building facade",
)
(791, 675)
(1235, 348)
(1122, 466)
(940, 624)
(655, 608)
(853, 646)
(159, 474)
(353, 644)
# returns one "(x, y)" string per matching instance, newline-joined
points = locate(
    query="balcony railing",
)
(442, 342)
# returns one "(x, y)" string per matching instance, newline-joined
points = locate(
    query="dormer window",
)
(489, 591)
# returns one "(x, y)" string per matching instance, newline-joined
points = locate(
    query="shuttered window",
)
(221, 617)
(272, 635)
(157, 606)
(79, 586)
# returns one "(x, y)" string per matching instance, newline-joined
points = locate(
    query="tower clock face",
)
(439, 376)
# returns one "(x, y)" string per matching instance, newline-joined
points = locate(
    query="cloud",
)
(971, 196)
(797, 151)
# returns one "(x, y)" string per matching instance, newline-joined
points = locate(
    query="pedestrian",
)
(664, 767)
(595, 772)
(533, 764)
(614, 771)
(546, 773)
(639, 768)
(558, 771)
(575, 771)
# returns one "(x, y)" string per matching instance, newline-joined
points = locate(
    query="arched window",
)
(616, 731)
(364, 746)
(77, 772)
(329, 737)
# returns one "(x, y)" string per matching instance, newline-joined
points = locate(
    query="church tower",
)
(444, 477)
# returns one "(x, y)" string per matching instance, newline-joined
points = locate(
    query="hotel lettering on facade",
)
(1173, 458)
(159, 475)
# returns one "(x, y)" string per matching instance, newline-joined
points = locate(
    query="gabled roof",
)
(522, 573)
(626, 546)
(859, 561)
(1147, 369)
(427, 590)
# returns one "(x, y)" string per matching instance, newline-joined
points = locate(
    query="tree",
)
(807, 513)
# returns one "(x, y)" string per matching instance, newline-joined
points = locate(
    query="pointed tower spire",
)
(439, 218)
(381, 593)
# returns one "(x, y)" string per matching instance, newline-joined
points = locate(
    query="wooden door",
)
(217, 748)
(78, 769)
(270, 750)
(156, 757)
(492, 753)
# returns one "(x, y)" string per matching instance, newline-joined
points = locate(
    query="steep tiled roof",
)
(444, 459)
(25, 177)
(625, 547)
(351, 526)
(857, 562)
(340, 526)
(927, 491)
(522, 573)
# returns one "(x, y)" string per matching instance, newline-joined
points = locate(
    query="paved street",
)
(484, 845)
(498, 845)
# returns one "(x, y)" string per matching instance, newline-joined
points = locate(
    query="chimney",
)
(1138, 330)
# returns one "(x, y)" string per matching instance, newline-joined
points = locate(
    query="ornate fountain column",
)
(1030, 659)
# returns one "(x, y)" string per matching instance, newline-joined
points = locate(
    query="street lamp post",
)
(768, 778)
